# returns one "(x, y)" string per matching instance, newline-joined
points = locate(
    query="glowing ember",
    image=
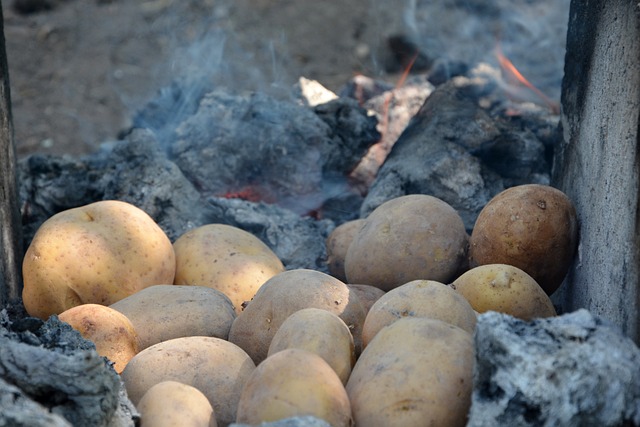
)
(516, 78)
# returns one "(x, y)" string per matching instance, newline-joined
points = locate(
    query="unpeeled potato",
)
(98, 253)
(225, 258)
(218, 368)
(283, 295)
(408, 238)
(415, 372)
(321, 332)
(163, 312)
(111, 331)
(367, 294)
(419, 298)
(533, 227)
(294, 382)
(171, 404)
(506, 289)
(338, 243)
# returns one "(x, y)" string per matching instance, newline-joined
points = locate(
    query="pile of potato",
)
(211, 329)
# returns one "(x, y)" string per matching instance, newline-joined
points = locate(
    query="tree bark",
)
(10, 226)
(598, 163)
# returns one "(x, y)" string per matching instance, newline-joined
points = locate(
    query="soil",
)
(79, 70)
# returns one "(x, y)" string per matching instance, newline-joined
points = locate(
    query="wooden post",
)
(598, 164)
(10, 226)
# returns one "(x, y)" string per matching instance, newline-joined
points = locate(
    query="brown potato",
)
(163, 312)
(532, 227)
(111, 331)
(98, 253)
(218, 368)
(415, 372)
(294, 382)
(321, 332)
(337, 244)
(368, 294)
(504, 288)
(170, 404)
(225, 258)
(408, 238)
(419, 298)
(283, 295)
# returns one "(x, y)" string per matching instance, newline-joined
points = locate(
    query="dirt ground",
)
(80, 69)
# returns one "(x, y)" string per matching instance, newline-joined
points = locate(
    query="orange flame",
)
(516, 77)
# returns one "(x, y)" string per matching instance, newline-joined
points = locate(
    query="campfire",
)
(459, 126)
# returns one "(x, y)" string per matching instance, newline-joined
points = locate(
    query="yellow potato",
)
(415, 372)
(111, 331)
(504, 288)
(225, 258)
(368, 294)
(170, 404)
(163, 312)
(337, 244)
(533, 227)
(290, 383)
(218, 368)
(321, 332)
(283, 295)
(98, 253)
(419, 298)
(408, 238)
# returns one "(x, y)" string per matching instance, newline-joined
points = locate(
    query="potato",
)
(337, 244)
(170, 404)
(225, 258)
(98, 253)
(111, 331)
(283, 295)
(321, 332)
(218, 368)
(408, 238)
(163, 312)
(367, 294)
(504, 288)
(419, 298)
(532, 227)
(294, 382)
(415, 372)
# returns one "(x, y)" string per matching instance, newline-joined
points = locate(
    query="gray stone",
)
(302, 421)
(572, 370)
(598, 161)
(297, 241)
(49, 373)
(460, 152)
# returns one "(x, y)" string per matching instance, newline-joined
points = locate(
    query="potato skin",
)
(415, 372)
(170, 404)
(163, 312)
(338, 243)
(321, 332)
(283, 295)
(419, 298)
(218, 368)
(225, 258)
(368, 294)
(408, 238)
(294, 382)
(111, 331)
(533, 227)
(504, 288)
(98, 253)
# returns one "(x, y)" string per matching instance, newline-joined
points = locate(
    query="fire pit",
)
(290, 169)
